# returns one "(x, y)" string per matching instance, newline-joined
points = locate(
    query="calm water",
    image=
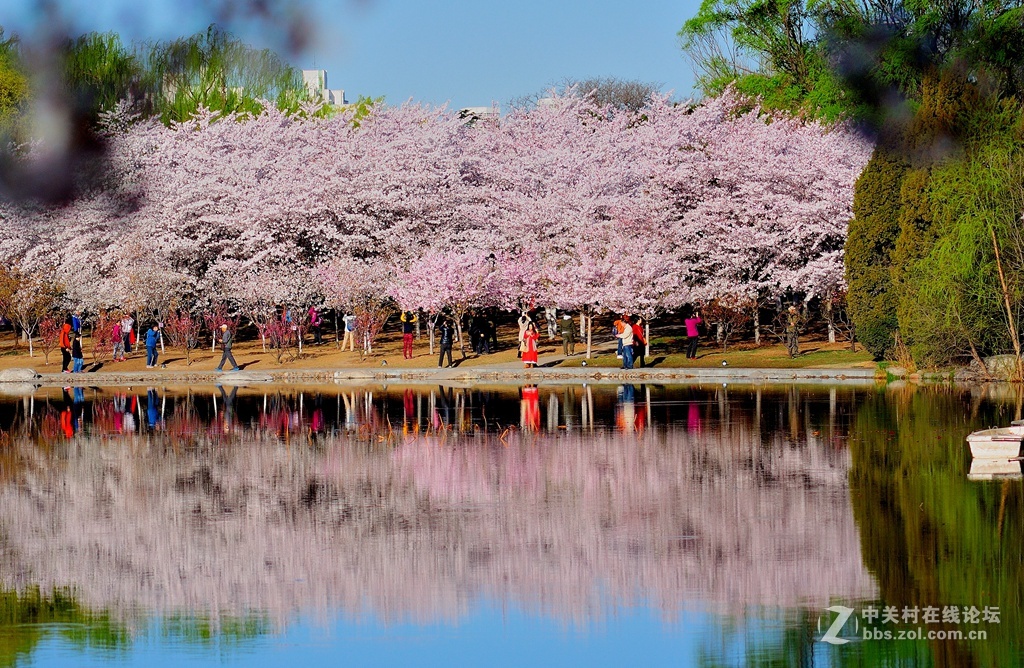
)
(682, 525)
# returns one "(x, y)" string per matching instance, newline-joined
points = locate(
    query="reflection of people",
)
(152, 411)
(228, 400)
(529, 414)
(529, 345)
(625, 414)
(693, 417)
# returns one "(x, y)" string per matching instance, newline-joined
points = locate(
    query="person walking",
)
(316, 323)
(692, 334)
(567, 328)
(65, 346)
(625, 337)
(226, 341)
(408, 329)
(793, 322)
(639, 342)
(77, 357)
(447, 338)
(349, 322)
(76, 322)
(152, 341)
(529, 346)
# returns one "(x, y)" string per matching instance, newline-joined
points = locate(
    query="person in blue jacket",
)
(152, 341)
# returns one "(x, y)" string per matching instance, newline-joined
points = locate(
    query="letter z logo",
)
(832, 635)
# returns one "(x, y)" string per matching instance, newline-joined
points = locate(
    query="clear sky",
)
(461, 52)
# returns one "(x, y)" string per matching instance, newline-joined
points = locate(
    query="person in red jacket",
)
(65, 346)
(639, 342)
(529, 345)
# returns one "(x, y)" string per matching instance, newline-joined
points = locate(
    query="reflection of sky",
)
(465, 51)
(488, 637)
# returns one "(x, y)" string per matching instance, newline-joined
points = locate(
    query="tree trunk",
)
(1011, 322)
(30, 352)
(590, 327)
(757, 326)
(829, 321)
(718, 333)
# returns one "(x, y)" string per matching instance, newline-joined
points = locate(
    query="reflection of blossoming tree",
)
(563, 523)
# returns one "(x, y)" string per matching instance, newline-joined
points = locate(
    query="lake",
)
(704, 525)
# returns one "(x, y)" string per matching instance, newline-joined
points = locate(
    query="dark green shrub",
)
(869, 247)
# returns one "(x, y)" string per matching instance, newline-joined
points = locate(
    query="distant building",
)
(474, 114)
(316, 84)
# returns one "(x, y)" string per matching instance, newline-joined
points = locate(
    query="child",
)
(76, 353)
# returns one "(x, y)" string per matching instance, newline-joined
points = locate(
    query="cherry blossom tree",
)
(49, 336)
(572, 204)
(361, 288)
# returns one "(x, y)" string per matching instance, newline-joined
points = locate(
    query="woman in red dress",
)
(530, 339)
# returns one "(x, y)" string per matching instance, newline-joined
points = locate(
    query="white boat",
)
(1000, 443)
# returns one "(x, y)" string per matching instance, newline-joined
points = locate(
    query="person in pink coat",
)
(692, 335)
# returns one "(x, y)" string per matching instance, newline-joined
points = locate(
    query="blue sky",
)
(461, 52)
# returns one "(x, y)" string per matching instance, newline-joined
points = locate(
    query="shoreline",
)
(470, 376)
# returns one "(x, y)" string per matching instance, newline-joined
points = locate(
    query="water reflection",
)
(417, 503)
